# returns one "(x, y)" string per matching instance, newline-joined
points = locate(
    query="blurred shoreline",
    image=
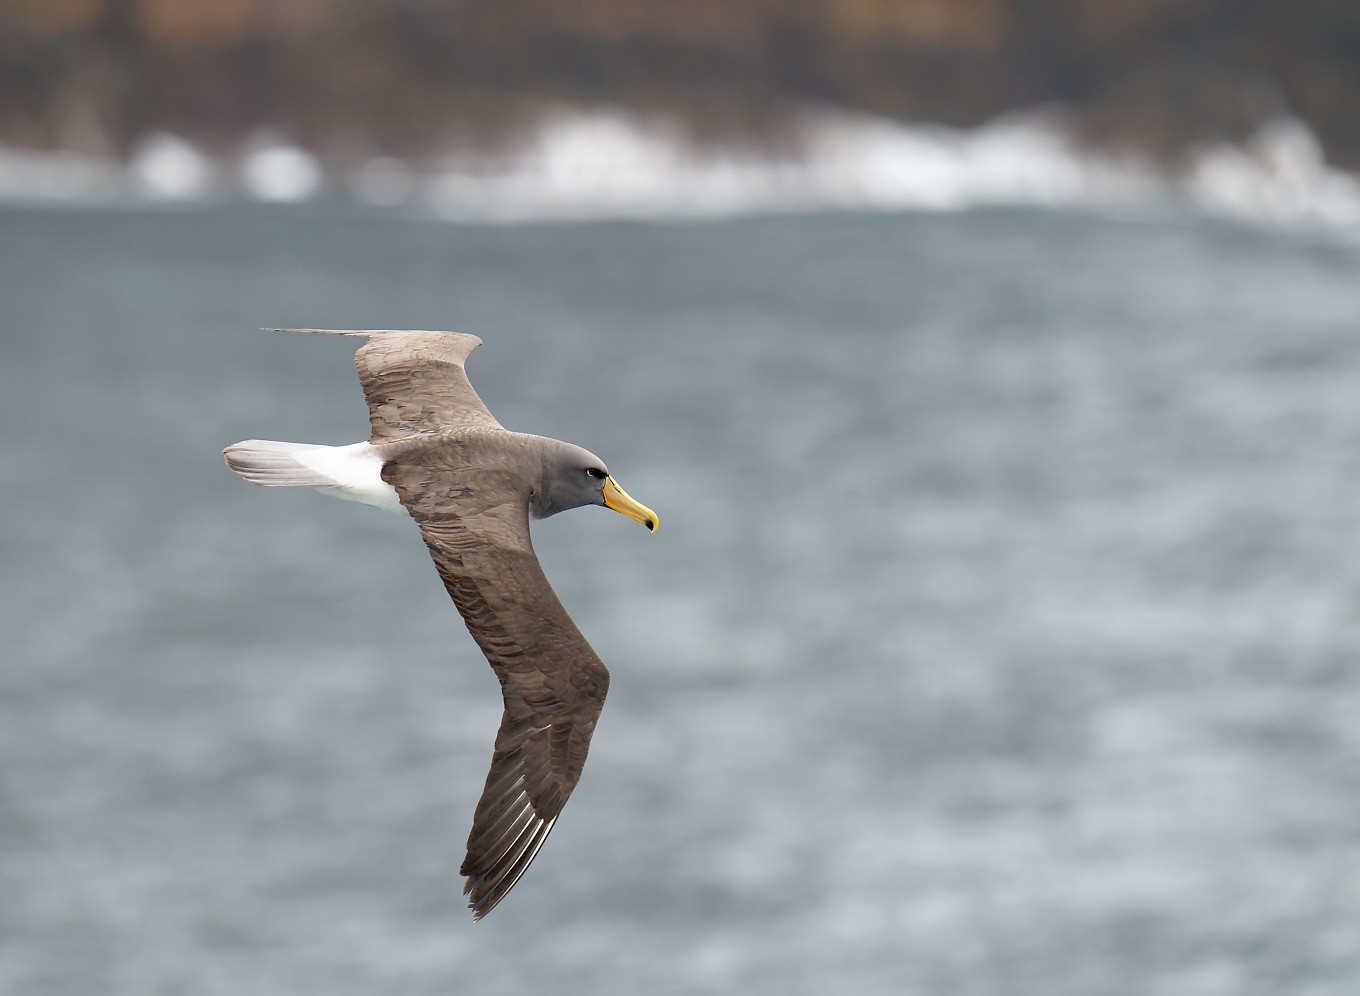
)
(535, 108)
(347, 77)
(580, 163)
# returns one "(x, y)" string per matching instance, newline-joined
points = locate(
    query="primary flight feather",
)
(472, 487)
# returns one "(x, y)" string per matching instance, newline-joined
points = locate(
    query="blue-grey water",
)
(1001, 636)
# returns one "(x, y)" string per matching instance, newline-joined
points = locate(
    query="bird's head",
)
(573, 477)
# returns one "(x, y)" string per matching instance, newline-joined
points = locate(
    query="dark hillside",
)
(350, 77)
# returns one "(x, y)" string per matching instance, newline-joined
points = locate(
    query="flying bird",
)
(472, 486)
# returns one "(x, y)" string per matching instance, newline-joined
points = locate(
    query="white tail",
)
(350, 472)
(274, 464)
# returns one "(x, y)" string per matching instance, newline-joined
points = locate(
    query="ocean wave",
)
(578, 164)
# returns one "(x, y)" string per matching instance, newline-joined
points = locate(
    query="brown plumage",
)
(471, 487)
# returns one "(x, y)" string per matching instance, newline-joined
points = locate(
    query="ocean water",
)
(1000, 636)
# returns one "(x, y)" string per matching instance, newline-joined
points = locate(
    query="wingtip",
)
(482, 904)
(477, 898)
(325, 331)
(370, 332)
(485, 890)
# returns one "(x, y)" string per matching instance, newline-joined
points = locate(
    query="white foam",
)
(281, 172)
(1281, 174)
(57, 176)
(166, 167)
(582, 164)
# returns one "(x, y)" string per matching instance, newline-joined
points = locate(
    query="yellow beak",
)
(617, 499)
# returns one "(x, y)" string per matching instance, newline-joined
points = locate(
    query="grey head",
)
(572, 477)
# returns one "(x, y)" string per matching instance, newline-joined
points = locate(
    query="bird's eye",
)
(596, 473)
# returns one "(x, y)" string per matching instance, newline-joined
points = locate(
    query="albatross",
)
(437, 453)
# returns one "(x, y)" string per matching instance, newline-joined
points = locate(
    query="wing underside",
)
(552, 682)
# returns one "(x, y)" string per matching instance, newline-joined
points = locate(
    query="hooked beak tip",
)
(617, 499)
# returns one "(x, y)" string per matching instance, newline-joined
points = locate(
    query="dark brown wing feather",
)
(553, 683)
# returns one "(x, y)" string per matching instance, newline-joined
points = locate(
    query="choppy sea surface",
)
(1001, 636)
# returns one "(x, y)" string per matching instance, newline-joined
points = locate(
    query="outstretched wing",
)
(553, 683)
(415, 382)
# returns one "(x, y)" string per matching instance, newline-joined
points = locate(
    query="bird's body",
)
(472, 486)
